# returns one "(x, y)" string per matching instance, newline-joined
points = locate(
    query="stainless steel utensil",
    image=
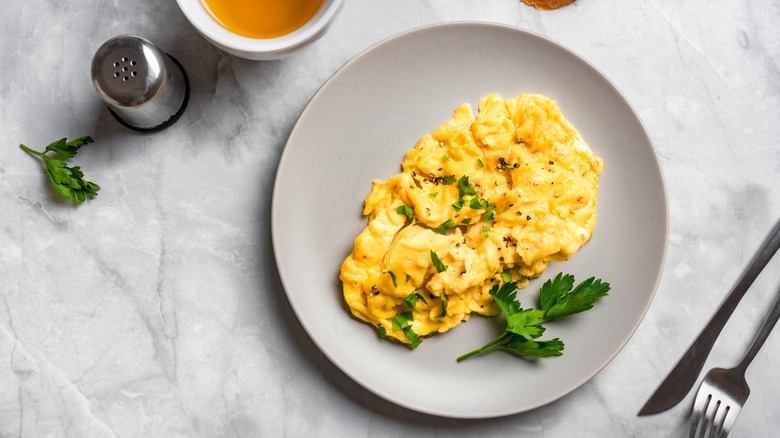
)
(724, 391)
(144, 88)
(682, 378)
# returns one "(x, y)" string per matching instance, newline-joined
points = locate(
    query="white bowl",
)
(259, 49)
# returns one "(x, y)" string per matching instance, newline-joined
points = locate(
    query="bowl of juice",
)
(261, 29)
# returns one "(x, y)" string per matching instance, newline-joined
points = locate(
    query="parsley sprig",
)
(68, 181)
(558, 298)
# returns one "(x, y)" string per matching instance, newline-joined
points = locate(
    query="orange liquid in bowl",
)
(262, 18)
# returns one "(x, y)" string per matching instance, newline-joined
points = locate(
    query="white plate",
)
(359, 126)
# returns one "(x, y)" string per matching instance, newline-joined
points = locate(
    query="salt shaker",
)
(144, 88)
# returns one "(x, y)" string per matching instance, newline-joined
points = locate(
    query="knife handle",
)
(683, 376)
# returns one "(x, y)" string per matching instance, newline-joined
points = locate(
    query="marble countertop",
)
(156, 310)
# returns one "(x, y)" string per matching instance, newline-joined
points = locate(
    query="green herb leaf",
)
(447, 180)
(67, 181)
(489, 216)
(457, 205)
(506, 298)
(485, 231)
(467, 221)
(445, 157)
(68, 149)
(402, 320)
(416, 341)
(440, 267)
(411, 300)
(524, 348)
(444, 302)
(557, 298)
(405, 210)
(392, 277)
(408, 277)
(445, 227)
(506, 276)
(434, 194)
(480, 163)
(524, 326)
(465, 187)
(382, 331)
(526, 323)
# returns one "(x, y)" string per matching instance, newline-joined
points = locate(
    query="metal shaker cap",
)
(144, 88)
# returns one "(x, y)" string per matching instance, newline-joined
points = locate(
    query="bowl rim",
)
(196, 13)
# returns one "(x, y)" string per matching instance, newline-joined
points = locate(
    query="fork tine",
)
(728, 419)
(697, 418)
(709, 424)
(718, 420)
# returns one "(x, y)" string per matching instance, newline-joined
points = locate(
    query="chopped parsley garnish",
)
(445, 157)
(405, 210)
(465, 187)
(411, 300)
(449, 179)
(434, 194)
(480, 163)
(467, 220)
(457, 205)
(444, 302)
(382, 331)
(440, 267)
(403, 321)
(485, 231)
(445, 226)
(392, 277)
(488, 216)
(506, 276)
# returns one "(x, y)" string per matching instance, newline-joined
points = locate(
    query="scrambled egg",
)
(477, 201)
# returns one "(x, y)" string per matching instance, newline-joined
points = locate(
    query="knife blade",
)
(683, 376)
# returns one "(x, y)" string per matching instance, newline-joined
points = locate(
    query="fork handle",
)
(766, 327)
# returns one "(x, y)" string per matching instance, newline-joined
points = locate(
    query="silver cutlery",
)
(683, 376)
(724, 391)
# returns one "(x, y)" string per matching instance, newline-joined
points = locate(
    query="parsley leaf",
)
(392, 277)
(557, 298)
(405, 210)
(445, 226)
(411, 300)
(403, 321)
(449, 179)
(465, 187)
(444, 302)
(67, 181)
(440, 267)
(480, 163)
(457, 205)
(485, 231)
(414, 337)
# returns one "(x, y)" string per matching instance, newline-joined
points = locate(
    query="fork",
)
(724, 391)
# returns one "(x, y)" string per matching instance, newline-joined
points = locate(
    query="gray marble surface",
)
(156, 310)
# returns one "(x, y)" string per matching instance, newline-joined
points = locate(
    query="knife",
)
(684, 375)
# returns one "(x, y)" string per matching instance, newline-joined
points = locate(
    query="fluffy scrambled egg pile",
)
(478, 201)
